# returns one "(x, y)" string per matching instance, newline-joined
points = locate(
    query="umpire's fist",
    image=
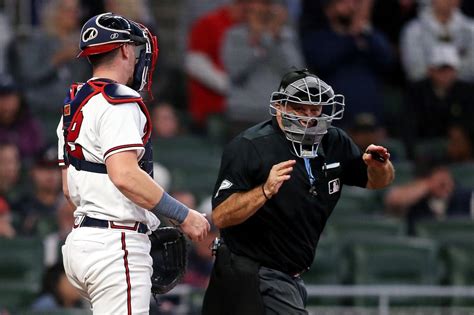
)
(376, 156)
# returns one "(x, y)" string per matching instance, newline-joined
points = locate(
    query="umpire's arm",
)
(240, 206)
(380, 174)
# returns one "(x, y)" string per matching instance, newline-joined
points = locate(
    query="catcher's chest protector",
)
(79, 95)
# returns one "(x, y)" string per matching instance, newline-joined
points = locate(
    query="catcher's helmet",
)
(106, 32)
(303, 87)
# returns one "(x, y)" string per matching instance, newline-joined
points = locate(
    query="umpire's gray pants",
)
(281, 293)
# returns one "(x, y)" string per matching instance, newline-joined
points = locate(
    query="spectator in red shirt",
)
(208, 82)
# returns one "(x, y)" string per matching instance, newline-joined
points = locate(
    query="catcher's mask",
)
(106, 32)
(303, 125)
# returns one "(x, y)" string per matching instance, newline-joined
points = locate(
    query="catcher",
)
(107, 167)
(279, 181)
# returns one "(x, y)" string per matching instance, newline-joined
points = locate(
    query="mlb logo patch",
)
(334, 186)
(67, 109)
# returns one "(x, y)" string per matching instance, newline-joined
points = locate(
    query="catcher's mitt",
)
(169, 253)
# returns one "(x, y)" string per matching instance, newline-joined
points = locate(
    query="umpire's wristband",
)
(171, 208)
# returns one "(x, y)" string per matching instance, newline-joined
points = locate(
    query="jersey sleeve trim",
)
(61, 163)
(125, 147)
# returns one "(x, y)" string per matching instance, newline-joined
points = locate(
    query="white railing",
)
(384, 292)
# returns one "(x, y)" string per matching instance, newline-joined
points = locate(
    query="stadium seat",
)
(404, 172)
(200, 181)
(435, 148)
(446, 230)
(460, 268)
(455, 239)
(217, 129)
(329, 265)
(463, 174)
(196, 151)
(364, 226)
(192, 161)
(15, 297)
(21, 267)
(396, 147)
(354, 202)
(400, 260)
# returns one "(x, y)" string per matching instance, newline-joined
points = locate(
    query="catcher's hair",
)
(102, 59)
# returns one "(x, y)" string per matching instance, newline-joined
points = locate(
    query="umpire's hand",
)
(376, 156)
(380, 170)
(278, 174)
(195, 226)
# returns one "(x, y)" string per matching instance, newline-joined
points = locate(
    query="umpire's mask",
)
(298, 89)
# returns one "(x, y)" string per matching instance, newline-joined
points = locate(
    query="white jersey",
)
(106, 129)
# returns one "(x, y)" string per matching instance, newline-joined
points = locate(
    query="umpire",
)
(279, 181)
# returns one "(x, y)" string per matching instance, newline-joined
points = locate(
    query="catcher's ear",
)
(125, 51)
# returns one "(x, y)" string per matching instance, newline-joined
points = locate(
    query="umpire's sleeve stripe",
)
(125, 147)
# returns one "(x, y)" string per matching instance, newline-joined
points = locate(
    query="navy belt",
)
(91, 222)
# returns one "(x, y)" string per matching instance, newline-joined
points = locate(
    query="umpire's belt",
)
(91, 222)
(219, 242)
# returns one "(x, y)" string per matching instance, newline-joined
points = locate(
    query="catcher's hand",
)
(169, 253)
(195, 226)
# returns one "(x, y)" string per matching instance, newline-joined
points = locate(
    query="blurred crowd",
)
(405, 67)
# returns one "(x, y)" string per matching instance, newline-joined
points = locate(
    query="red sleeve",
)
(199, 37)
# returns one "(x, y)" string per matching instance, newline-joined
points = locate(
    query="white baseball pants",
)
(111, 268)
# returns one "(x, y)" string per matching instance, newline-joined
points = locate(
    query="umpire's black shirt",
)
(283, 234)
